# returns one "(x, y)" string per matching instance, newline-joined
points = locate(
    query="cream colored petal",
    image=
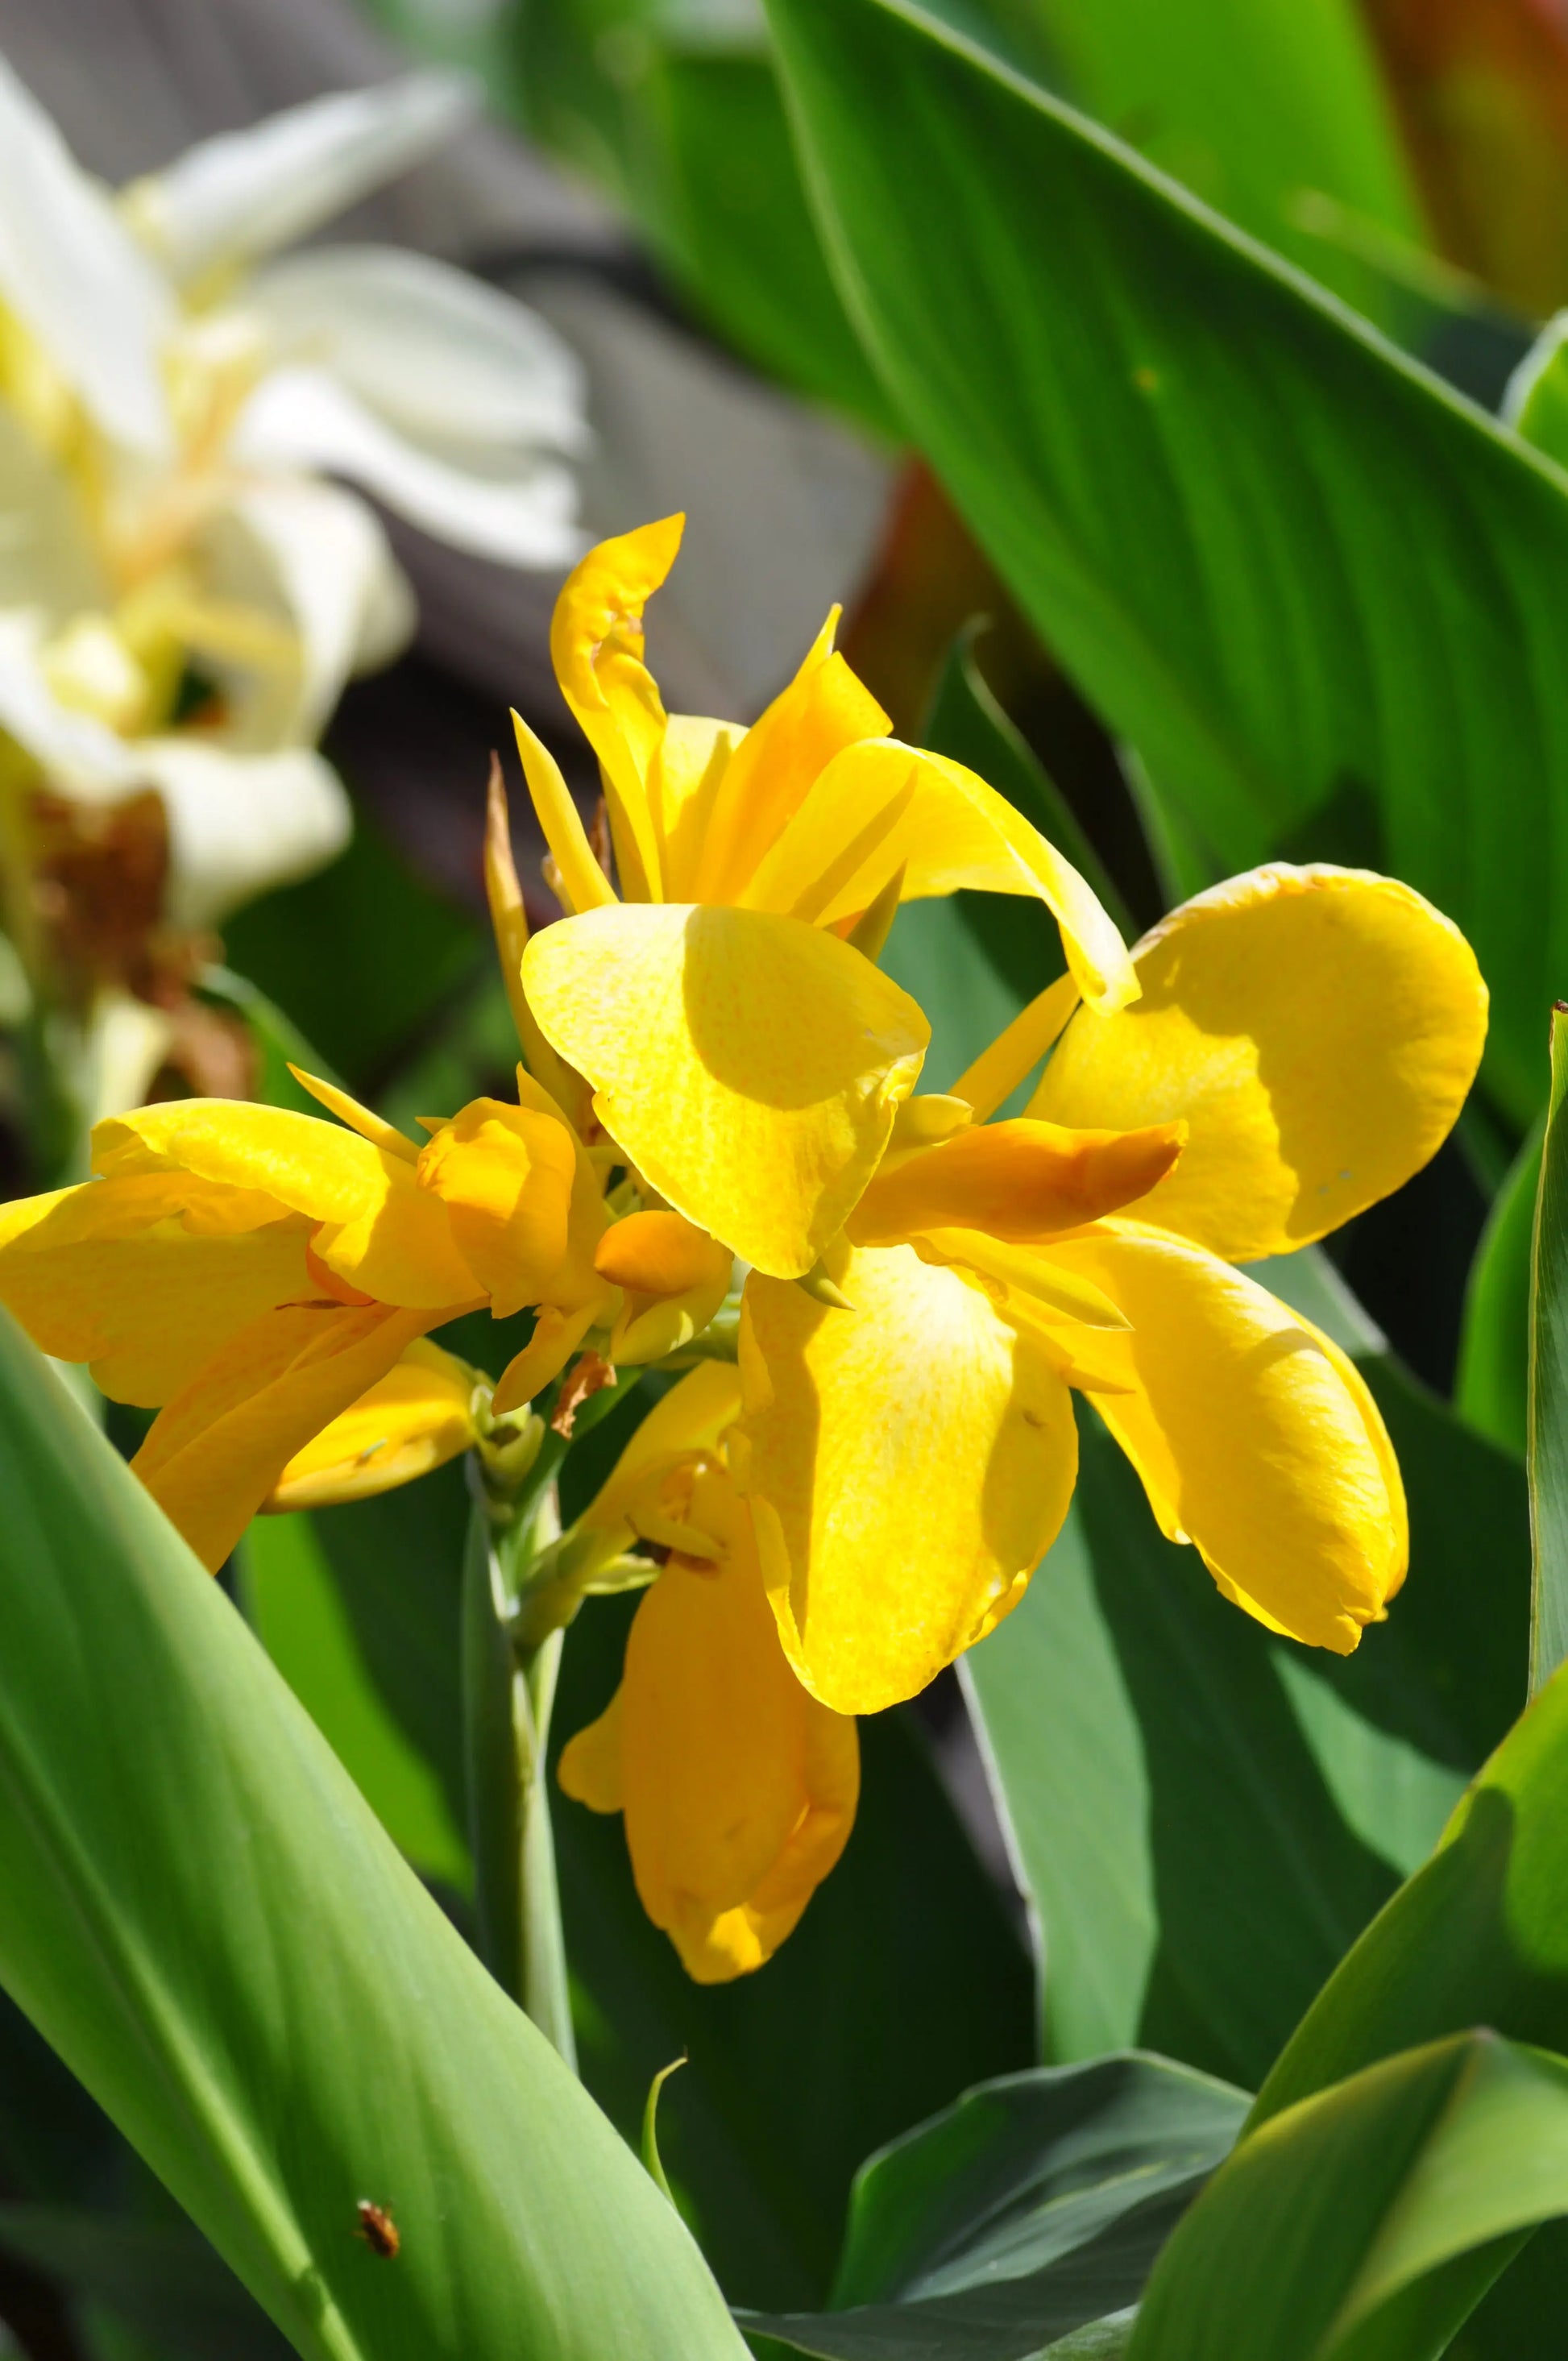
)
(1317, 1030)
(909, 1462)
(748, 1065)
(1254, 1435)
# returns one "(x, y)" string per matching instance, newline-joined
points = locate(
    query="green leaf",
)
(1492, 1390)
(202, 1916)
(1033, 2207)
(1547, 1457)
(1261, 109)
(298, 1613)
(1280, 559)
(1366, 2221)
(1205, 1816)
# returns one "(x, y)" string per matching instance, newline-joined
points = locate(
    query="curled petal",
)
(909, 1462)
(218, 1447)
(1254, 1437)
(1317, 1030)
(378, 1229)
(1017, 1181)
(596, 645)
(415, 1418)
(953, 830)
(738, 1789)
(504, 1174)
(748, 1065)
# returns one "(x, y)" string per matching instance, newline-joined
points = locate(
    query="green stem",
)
(508, 1695)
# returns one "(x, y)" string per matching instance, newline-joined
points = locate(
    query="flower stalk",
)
(508, 1690)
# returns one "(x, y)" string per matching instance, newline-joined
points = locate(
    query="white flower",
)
(174, 396)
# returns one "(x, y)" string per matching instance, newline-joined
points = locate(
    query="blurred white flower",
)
(183, 590)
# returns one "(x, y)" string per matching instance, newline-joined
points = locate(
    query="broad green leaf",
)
(1281, 560)
(298, 1613)
(202, 1916)
(1205, 1816)
(1367, 2222)
(1492, 1390)
(1033, 2207)
(1265, 110)
(1546, 1456)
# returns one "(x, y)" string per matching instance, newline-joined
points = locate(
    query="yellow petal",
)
(556, 1336)
(415, 1418)
(596, 645)
(689, 769)
(111, 1274)
(1316, 1029)
(1016, 1181)
(1017, 1049)
(954, 832)
(824, 709)
(1009, 1273)
(217, 1449)
(673, 1278)
(748, 1065)
(909, 1463)
(362, 1119)
(1254, 1435)
(379, 1230)
(739, 1789)
(509, 920)
(504, 1174)
(690, 1418)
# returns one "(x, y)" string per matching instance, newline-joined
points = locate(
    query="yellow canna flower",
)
(739, 1788)
(254, 1274)
(1304, 1040)
(747, 1057)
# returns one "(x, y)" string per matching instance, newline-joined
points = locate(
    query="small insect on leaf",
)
(378, 2229)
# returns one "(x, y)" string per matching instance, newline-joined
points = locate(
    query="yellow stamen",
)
(583, 882)
(1015, 1052)
(373, 1127)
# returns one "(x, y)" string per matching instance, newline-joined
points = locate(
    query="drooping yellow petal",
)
(748, 1065)
(596, 645)
(690, 1418)
(909, 1462)
(1254, 1435)
(954, 832)
(673, 1278)
(1316, 1029)
(112, 1274)
(1016, 1181)
(738, 1789)
(417, 1417)
(378, 1229)
(556, 1336)
(504, 1174)
(218, 1447)
(824, 709)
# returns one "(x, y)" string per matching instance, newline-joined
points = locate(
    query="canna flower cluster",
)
(186, 580)
(881, 1301)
